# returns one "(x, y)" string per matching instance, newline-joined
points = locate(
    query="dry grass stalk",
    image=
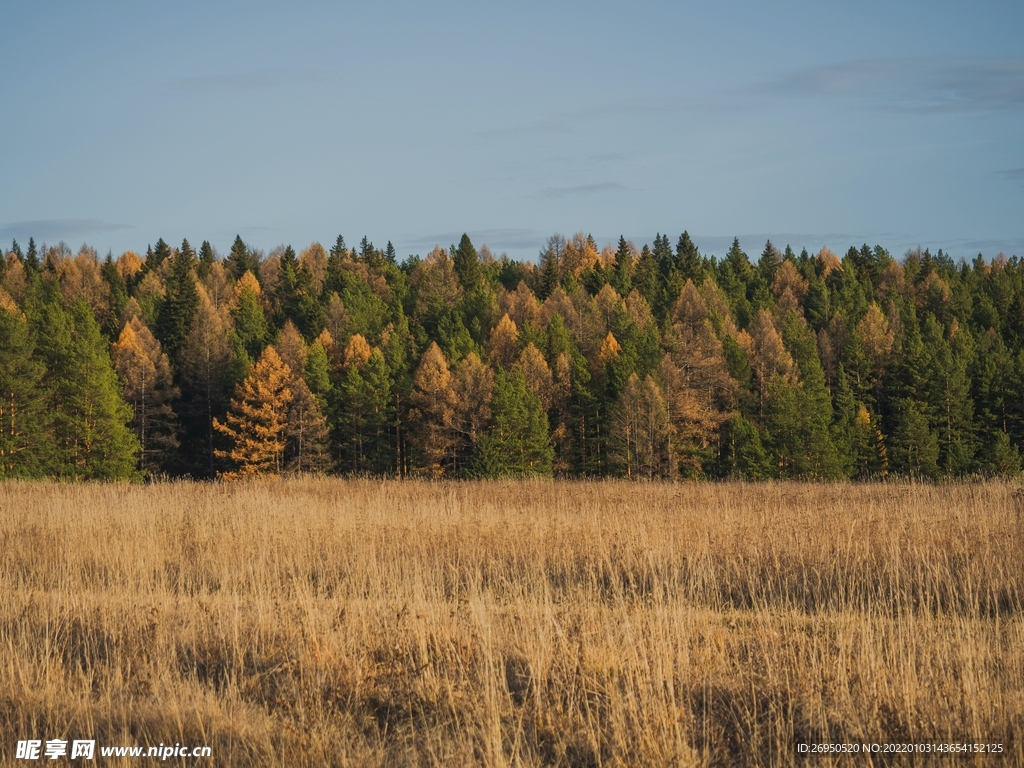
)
(328, 622)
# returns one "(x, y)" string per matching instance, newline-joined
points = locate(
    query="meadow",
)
(317, 622)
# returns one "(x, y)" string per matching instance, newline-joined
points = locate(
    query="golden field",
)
(316, 622)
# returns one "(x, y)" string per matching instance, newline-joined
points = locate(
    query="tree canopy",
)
(642, 362)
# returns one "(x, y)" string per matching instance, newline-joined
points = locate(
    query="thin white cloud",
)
(58, 229)
(549, 193)
(248, 81)
(941, 83)
(908, 84)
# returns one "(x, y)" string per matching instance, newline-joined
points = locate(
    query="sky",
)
(808, 123)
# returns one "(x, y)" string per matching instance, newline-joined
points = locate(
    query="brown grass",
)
(324, 622)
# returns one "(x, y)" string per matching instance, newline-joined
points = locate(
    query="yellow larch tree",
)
(257, 420)
(503, 346)
(149, 389)
(433, 401)
(307, 437)
(537, 375)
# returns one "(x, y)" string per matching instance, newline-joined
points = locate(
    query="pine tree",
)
(289, 291)
(364, 410)
(948, 392)
(814, 454)
(550, 273)
(318, 370)
(180, 302)
(769, 262)
(622, 275)
(366, 250)
(155, 257)
(251, 327)
(517, 444)
(90, 417)
(398, 347)
(26, 445)
(118, 294)
(915, 449)
(256, 423)
(32, 262)
(467, 263)
(688, 262)
(241, 259)
(742, 452)
(645, 277)
(207, 258)
(334, 279)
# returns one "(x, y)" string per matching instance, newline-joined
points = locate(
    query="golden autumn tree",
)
(307, 445)
(641, 445)
(537, 375)
(258, 418)
(769, 357)
(357, 351)
(503, 347)
(700, 394)
(205, 368)
(433, 412)
(521, 305)
(878, 339)
(149, 389)
(473, 382)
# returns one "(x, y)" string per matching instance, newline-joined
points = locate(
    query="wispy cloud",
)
(1014, 174)
(248, 81)
(988, 247)
(58, 229)
(559, 124)
(570, 120)
(943, 84)
(550, 193)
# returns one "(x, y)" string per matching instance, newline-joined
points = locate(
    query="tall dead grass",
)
(326, 622)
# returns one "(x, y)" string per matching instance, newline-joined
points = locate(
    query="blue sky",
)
(811, 123)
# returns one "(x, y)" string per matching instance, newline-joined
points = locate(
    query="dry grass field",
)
(321, 622)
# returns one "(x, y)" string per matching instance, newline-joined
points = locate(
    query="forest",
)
(643, 363)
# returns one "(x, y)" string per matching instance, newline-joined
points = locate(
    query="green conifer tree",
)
(156, 256)
(180, 302)
(91, 418)
(241, 259)
(467, 263)
(207, 258)
(32, 262)
(688, 261)
(26, 440)
(251, 328)
(622, 274)
(517, 444)
(742, 454)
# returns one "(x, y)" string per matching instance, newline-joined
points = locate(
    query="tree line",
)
(651, 362)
